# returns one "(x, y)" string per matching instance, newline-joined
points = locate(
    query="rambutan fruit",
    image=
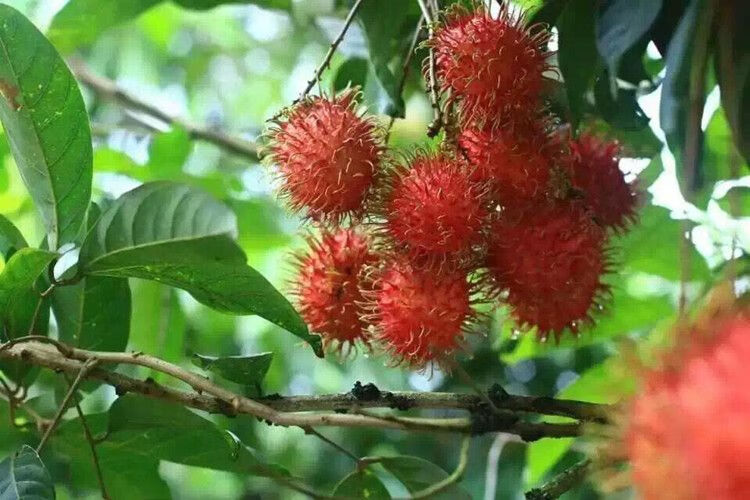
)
(686, 432)
(432, 209)
(595, 173)
(493, 66)
(516, 162)
(550, 260)
(420, 315)
(327, 155)
(330, 283)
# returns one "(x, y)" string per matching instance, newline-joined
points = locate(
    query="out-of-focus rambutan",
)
(330, 283)
(432, 209)
(420, 315)
(550, 260)
(516, 162)
(327, 155)
(595, 172)
(686, 432)
(493, 66)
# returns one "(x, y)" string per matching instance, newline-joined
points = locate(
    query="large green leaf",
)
(577, 55)
(24, 477)
(182, 237)
(158, 430)
(245, 370)
(45, 119)
(620, 24)
(417, 474)
(11, 239)
(362, 484)
(19, 275)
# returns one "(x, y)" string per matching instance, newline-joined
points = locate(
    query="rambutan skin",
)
(494, 67)
(330, 283)
(420, 315)
(550, 259)
(515, 162)
(327, 155)
(595, 173)
(433, 209)
(687, 432)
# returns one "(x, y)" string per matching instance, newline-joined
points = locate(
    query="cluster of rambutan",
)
(508, 208)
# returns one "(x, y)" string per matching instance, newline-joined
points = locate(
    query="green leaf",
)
(19, 275)
(94, 313)
(381, 32)
(245, 370)
(687, 51)
(417, 474)
(182, 237)
(45, 119)
(620, 24)
(210, 4)
(620, 110)
(577, 55)
(168, 152)
(11, 239)
(362, 484)
(353, 73)
(24, 477)
(158, 430)
(549, 12)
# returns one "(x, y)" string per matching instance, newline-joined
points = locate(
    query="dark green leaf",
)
(210, 4)
(549, 12)
(417, 474)
(11, 239)
(159, 430)
(24, 477)
(45, 119)
(245, 370)
(182, 237)
(577, 55)
(20, 273)
(620, 24)
(621, 110)
(353, 73)
(381, 33)
(686, 58)
(362, 484)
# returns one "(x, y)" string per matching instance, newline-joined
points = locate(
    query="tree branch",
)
(561, 483)
(215, 399)
(108, 89)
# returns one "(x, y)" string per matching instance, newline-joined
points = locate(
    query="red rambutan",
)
(550, 260)
(595, 172)
(686, 433)
(433, 209)
(330, 283)
(327, 155)
(515, 162)
(420, 315)
(492, 66)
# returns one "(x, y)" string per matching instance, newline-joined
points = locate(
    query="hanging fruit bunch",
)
(509, 209)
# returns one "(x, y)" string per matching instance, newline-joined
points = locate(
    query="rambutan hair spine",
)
(330, 278)
(328, 154)
(421, 316)
(493, 67)
(429, 210)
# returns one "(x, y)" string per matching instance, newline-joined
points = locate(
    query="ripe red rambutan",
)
(550, 260)
(330, 283)
(433, 209)
(420, 315)
(516, 162)
(595, 172)
(494, 67)
(686, 433)
(327, 156)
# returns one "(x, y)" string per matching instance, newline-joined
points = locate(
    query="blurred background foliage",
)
(233, 67)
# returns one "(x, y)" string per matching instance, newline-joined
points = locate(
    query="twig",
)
(493, 462)
(87, 366)
(405, 72)
(464, 375)
(213, 398)
(331, 50)
(90, 439)
(310, 430)
(426, 12)
(561, 483)
(456, 476)
(437, 123)
(108, 89)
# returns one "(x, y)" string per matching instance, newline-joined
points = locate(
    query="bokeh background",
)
(232, 68)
